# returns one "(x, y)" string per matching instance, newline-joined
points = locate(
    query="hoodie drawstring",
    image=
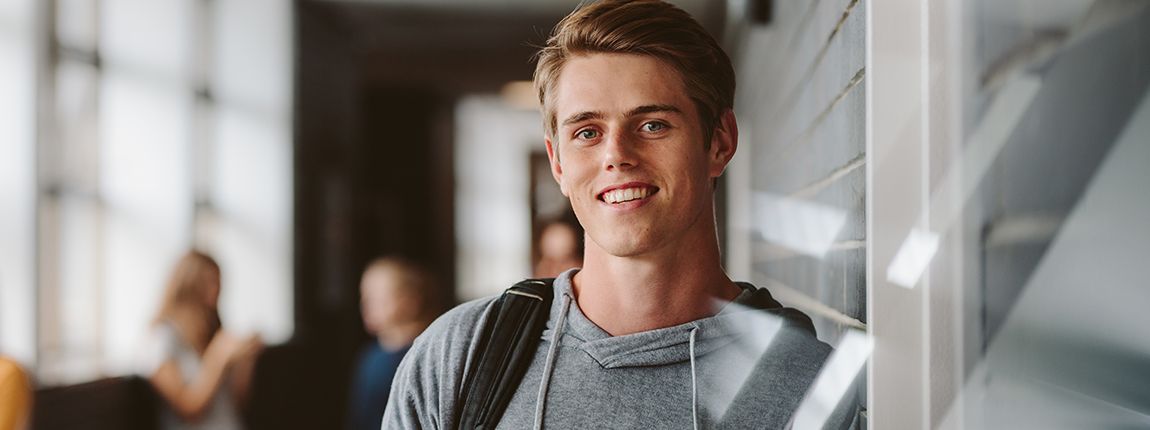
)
(694, 384)
(550, 363)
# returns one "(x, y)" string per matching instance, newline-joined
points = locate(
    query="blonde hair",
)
(643, 27)
(184, 296)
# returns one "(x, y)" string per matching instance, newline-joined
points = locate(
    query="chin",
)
(629, 247)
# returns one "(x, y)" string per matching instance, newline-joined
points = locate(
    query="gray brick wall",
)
(802, 107)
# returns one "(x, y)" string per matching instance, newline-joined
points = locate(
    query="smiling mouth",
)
(626, 194)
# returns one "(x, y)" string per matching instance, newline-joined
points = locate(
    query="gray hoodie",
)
(737, 369)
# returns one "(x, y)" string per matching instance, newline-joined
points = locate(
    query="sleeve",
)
(427, 382)
(408, 406)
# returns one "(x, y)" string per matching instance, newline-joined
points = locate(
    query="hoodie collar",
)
(661, 346)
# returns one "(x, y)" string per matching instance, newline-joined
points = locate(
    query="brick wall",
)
(802, 110)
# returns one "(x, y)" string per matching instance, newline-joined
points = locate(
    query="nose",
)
(618, 153)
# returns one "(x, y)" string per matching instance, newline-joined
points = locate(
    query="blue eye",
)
(587, 134)
(654, 126)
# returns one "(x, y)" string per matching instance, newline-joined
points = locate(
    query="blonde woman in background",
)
(200, 370)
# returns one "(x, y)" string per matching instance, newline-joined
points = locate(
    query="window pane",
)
(76, 23)
(16, 11)
(250, 225)
(252, 54)
(145, 181)
(70, 319)
(75, 160)
(148, 37)
(17, 181)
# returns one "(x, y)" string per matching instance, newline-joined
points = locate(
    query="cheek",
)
(563, 189)
(579, 169)
(582, 201)
(569, 183)
(700, 165)
(213, 295)
(399, 311)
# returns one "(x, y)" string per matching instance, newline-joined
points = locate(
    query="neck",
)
(624, 295)
(191, 327)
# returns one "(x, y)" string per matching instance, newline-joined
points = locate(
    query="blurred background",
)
(963, 181)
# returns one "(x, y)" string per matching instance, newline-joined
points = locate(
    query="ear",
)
(556, 168)
(724, 142)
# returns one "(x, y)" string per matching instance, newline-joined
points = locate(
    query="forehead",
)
(377, 277)
(613, 84)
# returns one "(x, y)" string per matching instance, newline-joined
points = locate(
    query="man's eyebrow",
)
(645, 109)
(652, 109)
(582, 116)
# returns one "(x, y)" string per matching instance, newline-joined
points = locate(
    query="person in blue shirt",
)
(397, 302)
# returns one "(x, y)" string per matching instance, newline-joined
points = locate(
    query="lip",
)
(653, 190)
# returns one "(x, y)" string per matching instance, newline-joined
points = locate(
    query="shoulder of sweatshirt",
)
(431, 373)
(454, 331)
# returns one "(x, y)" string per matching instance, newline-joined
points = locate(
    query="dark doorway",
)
(376, 86)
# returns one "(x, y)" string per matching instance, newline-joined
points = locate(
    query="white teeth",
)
(625, 195)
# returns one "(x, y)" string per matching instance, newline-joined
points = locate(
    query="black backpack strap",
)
(507, 344)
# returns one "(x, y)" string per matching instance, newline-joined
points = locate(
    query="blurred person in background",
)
(397, 302)
(202, 372)
(15, 395)
(560, 248)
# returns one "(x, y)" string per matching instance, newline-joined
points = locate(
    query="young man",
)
(650, 333)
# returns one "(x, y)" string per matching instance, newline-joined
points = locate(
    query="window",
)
(17, 179)
(169, 129)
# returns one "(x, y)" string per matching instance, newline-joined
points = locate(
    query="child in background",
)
(397, 302)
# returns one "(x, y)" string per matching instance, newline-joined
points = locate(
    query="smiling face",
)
(628, 151)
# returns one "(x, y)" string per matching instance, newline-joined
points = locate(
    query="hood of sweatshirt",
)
(750, 338)
(750, 322)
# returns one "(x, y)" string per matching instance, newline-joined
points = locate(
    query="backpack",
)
(507, 343)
